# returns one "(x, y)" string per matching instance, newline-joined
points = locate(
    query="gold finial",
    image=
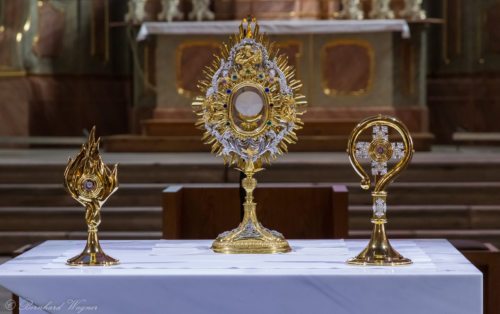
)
(246, 27)
(90, 182)
(379, 152)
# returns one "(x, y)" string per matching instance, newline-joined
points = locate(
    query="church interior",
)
(132, 69)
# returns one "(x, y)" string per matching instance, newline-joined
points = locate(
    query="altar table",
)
(276, 27)
(167, 276)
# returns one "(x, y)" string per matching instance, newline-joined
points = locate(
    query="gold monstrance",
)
(380, 151)
(90, 182)
(250, 112)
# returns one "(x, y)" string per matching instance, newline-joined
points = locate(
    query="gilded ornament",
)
(90, 182)
(380, 151)
(250, 111)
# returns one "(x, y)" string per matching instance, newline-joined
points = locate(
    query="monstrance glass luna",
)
(380, 151)
(250, 111)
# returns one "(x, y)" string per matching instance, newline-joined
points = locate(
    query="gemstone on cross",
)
(380, 150)
(89, 185)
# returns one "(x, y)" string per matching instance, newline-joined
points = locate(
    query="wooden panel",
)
(63, 105)
(293, 50)
(224, 9)
(161, 127)
(66, 105)
(48, 42)
(298, 211)
(307, 143)
(488, 263)
(347, 67)
(200, 213)
(13, 14)
(466, 103)
(191, 60)
(414, 117)
(99, 29)
(493, 28)
(167, 127)
(264, 9)
(14, 106)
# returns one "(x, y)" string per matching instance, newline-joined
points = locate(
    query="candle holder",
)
(381, 10)
(413, 10)
(250, 111)
(380, 151)
(351, 10)
(90, 182)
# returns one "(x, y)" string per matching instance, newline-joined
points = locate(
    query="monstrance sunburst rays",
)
(250, 110)
(249, 58)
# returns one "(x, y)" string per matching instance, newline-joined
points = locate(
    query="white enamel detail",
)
(379, 208)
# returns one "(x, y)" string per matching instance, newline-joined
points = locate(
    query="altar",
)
(165, 276)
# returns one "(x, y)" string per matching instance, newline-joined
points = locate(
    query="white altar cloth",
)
(165, 276)
(275, 27)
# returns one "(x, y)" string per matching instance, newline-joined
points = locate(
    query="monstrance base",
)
(261, 241)
(92, 255)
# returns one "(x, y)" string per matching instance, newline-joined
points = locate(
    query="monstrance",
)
(379, 152)
(90, 182)
(250, 112)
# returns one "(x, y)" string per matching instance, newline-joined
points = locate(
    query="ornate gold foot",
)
(92, 254)
(250, 237)
(379, 251)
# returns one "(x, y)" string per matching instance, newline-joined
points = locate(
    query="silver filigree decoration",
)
(379, 208)
(379, 132)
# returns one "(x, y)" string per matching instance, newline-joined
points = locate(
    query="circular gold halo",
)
(89, 193)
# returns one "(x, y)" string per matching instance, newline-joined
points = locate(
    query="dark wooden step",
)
(142, 143)
(437, 193)
(430, 217)
(192, 143)
(186, 127)
(169, 127)
(212, 170)
(490, 236)
(43, 166)
(35, 195)
(411, 217)
(130, 195)
(41, 141)
(72, 219)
